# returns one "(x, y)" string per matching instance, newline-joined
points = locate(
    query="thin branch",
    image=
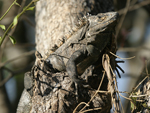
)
(11, 32)
(24, 45)
(122, 58)
(134, 7)
(12, 73)
(140, 83)
(23, 55)
(8, 9)
(10, 26)
(6, 79)
(28, 21)
(87, 104)
(122, 18)
(133, 49)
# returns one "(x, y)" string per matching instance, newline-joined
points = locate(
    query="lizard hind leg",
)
(71, 66)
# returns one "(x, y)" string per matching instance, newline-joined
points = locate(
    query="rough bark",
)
(54, 92)
(55, 18)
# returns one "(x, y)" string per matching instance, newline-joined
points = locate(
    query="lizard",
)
(84, 47)
(80, 22)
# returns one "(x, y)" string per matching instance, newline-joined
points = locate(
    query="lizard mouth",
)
(107, 18)
(111, 21)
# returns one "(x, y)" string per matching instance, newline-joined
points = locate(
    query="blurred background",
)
(15, 59)
(133, 38)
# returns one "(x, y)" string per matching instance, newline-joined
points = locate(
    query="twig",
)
(79, 105)
(12, 73)
(140, 83)
(134, 7)
(95, 92)
(139, 95)
(112, 82)
(106, 92)
(87, 104)
(122, 58)
(143, 79)
(8, 9)
(125, 97)
(133, 2)
(10, 26)
(6, 79)
(25, 45)
(122, 18)
(132, 49)
(28, 21)
(23, 55)
(91, 110)
(11, 32)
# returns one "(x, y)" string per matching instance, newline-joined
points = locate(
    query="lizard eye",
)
(101, 18)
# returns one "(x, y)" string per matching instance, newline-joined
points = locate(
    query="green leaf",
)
(31, 8)
(132, 105)
(3, 27)
(12, 40)
(17, 4)
(15, 21)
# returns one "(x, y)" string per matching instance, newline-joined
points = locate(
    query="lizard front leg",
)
(71, 66)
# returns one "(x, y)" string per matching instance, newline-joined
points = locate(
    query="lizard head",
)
(100, 24)
(102, 21)
(107, 18)
(100, 30)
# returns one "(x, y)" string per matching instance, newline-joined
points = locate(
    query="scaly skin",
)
(81, 22)
(84, 47)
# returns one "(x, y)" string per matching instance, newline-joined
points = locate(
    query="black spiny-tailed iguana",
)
(84, 47)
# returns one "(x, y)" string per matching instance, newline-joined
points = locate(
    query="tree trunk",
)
(53, 92)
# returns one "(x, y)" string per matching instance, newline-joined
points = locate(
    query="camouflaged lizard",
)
(84, 47)
(81, 22)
